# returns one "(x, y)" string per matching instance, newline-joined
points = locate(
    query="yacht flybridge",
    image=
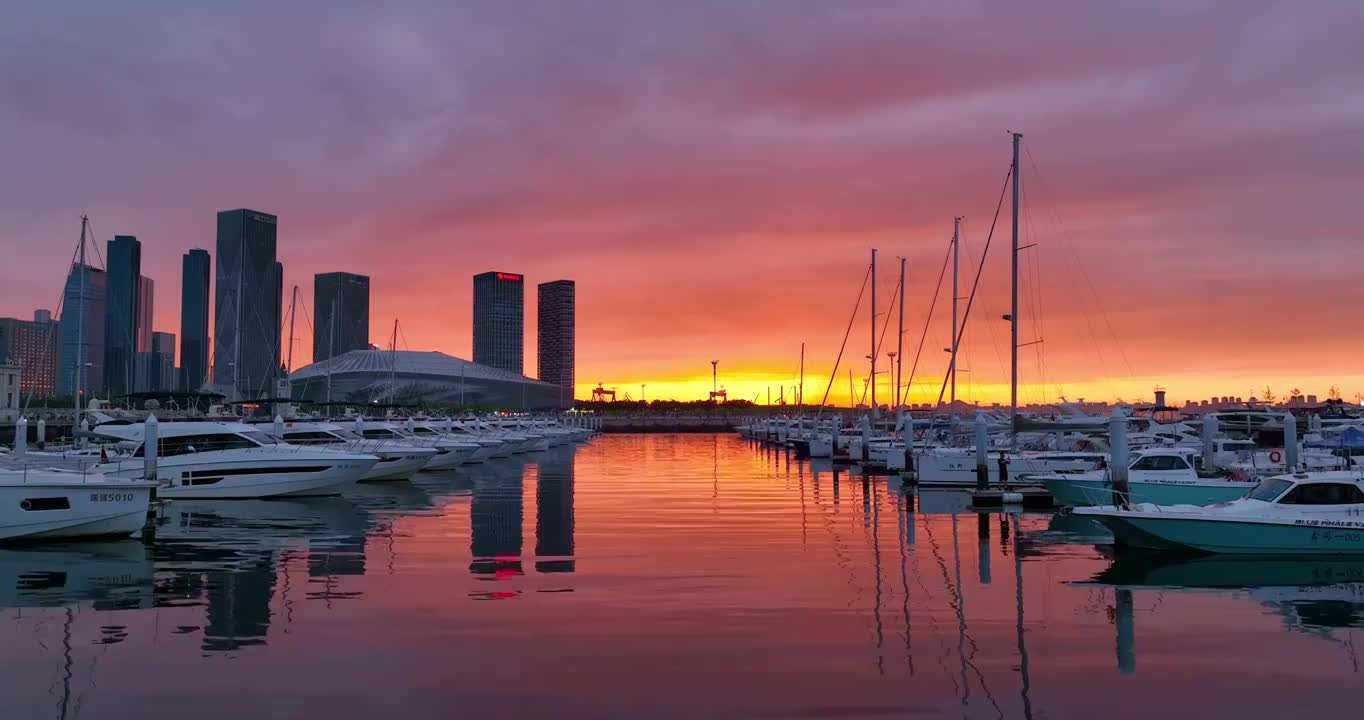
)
(231, 460)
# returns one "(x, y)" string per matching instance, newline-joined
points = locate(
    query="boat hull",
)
(960, 468)
(399, 468)
(104, 510)
(1083, 492)
(1233, 536)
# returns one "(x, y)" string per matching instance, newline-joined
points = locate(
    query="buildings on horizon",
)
(156, 365)
(555, 324)
(32, 347)
(340, 314)
(80, 357)
(194, 285)
(499, 321)
(248, 294)
(146, 298)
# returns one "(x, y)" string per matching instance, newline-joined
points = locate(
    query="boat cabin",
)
(1319, 488)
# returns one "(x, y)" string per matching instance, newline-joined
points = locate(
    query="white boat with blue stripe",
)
(1164, 476)
(1308, 513)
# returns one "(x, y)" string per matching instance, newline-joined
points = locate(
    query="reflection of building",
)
(408, 376)
(33, 346)
(80, 359)
(554, 512)
(495, 516)
(341, 312)
(246, 308)
(239, 605)
(194, 320)
(554, 331)
(499, 321)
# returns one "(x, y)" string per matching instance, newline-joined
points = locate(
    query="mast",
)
(900, 335)
(331, 353)
(393, 367)
(289, 363)
(800, 394)
(1013, 312)
(237, 328)
(956, 247)
(81, 352)
(872, 356)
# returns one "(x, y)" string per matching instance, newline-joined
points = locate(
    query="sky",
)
(714, 176)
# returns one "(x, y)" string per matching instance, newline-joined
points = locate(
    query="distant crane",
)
(599, 393)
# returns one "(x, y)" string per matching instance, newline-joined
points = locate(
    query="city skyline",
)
(1180, 241)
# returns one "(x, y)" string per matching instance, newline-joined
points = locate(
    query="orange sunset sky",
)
(713, 176)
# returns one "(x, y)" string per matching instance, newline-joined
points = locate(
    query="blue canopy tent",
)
(1351, 438)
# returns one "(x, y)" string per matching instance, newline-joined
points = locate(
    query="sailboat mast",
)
(956, 251)
(1013, 312)
(331, 352)
(800, 393)
(872, 356)
(81, 352)
(900, 335)
(293, 303)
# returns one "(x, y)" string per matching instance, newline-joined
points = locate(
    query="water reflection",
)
(776, 587)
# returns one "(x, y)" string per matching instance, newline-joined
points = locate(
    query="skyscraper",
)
(341, 312)
(156, 366)
(194, 320)
(123, 288)
(80, 359)
(146, 297)
(555, 333)
(246, 304)
(33, 347)
(499, 320)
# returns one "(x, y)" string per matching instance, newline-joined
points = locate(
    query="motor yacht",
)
(431, 431)
(43, 504)
(1306, 513)
(450, 452)
(1165, 476)
(211, 460)
(397, 460)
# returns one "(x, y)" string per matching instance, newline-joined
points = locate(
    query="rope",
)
(844, 346)
(936, 292)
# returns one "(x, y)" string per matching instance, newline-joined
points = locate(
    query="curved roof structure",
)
(410, 376)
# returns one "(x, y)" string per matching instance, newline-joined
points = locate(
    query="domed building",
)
(408, 377)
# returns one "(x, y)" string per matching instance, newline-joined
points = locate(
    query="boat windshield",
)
(422, 430)
(260, 437)
(1269, 488)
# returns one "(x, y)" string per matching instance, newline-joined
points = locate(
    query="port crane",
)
(599, 393)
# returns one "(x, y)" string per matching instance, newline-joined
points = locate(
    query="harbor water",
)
(661, 576)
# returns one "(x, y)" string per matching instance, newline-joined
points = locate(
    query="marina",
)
(674, 575)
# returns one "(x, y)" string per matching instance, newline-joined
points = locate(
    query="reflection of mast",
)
(904, 504)
(67, 663)
(876, 558)
(1022, 646)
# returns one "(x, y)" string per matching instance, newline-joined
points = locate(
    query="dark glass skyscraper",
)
(499, 321)
(555, 323)
(194, 320)
(80, 360)
(123, 286)
(246, 305)
(341, 312)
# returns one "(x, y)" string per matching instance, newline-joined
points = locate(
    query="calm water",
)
(659, 576)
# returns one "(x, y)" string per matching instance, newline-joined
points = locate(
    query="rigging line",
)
(53, 340)
(823, 403)
(994, 336)
(924, 336)
(1034, 293)
(975, 284)
(1037, 174)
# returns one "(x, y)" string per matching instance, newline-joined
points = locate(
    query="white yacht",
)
(957, 466)
(450, 453)
(429, 431)
(397, 460)
(210, 460)
(51, 504)
(1306, 513)
(1164, 476)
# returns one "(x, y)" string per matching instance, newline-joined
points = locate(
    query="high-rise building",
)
(122, 290)
(80, 358)
(156, 366)
(194, 320)
(499, 320)
(246, 304)
(146, 296)
(341, 314)
(555, 322)
(33, 347)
